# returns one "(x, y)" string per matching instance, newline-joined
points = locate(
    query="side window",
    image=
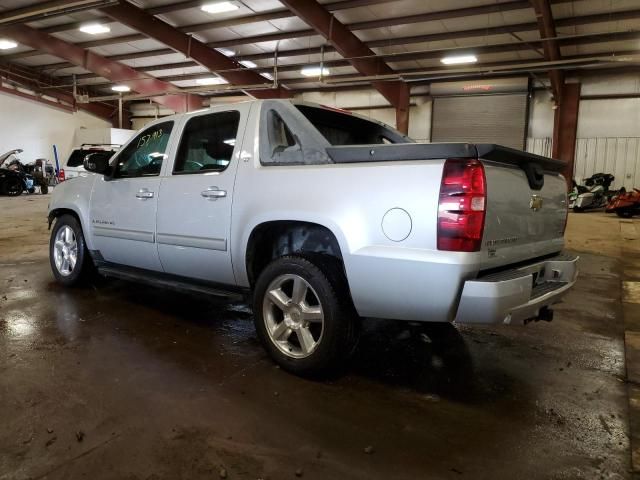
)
(76, 158)
(207, 143)
(144, 155)
(280, 137)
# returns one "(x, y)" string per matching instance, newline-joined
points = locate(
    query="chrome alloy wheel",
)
(65, 251)
(293, 315)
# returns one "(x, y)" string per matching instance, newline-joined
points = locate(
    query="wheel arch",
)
(68, 210)
(58, 212)
(272, 239)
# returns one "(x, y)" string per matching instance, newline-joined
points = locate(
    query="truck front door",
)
(194, 206)
(124, 204)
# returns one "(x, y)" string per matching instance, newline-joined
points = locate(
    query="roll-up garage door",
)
(489, 118)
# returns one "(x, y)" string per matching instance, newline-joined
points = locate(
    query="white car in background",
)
(74, 166)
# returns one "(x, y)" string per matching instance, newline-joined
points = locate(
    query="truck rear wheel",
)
(307, 327)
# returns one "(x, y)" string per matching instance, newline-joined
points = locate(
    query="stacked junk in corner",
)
(596, 194)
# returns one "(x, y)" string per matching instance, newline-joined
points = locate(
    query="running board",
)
(159, 280)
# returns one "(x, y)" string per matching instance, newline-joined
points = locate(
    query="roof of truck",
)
(227, 106)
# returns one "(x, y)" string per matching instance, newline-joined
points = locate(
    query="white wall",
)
(540, 115)
(36, 127)
(609, 118)
(596, 118)
(114, 136)
(608, 136)
(609, 131)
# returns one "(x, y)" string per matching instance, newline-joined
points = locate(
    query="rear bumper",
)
(518, 295)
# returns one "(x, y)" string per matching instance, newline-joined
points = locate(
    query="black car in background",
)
(15, 177)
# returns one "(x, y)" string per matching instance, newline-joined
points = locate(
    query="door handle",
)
(144, 194)
(213, 193)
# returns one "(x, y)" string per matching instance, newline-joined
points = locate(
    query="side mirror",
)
(96, 163)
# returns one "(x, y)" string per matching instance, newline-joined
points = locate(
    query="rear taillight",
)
(462, 205)
(61, 176)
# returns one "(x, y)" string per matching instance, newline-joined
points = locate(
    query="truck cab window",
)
(143, 156)
(344, 128)
(280, 137)
(207, 143)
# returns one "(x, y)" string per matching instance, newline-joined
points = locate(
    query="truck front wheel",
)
(68, 254)
(307, 326)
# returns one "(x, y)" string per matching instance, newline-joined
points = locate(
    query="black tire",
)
(12, 187)
(83, 265)
(340, 325)
(44, 189)
(624, 213)
(578, 209)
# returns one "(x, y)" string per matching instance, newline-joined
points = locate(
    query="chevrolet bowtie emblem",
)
(535, 203)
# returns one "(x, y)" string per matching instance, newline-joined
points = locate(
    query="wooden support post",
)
(402, 108)
(565, 127)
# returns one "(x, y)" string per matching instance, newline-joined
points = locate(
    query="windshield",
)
(343, 128)
(76, 159)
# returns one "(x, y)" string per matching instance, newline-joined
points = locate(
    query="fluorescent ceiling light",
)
(95, 28)
(459, 59)
(314, 71)
(230, 141)
(248, 63)
(211, 81)
(219, 7)
(268, 76)
(226, 52)
(7, 44)
(120, 88)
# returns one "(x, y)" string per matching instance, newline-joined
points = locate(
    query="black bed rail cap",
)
(400, 151)
(500, 153)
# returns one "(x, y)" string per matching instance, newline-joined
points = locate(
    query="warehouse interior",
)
(116, 379)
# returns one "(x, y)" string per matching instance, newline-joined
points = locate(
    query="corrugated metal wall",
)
(619, 156)
(539, 146)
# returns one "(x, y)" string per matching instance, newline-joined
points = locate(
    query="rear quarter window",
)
(342, 128)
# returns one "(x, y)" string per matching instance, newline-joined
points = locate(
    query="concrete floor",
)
(121, 381)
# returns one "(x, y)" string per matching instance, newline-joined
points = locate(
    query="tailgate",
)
(526, 206)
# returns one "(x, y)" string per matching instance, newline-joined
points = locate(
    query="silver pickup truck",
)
(322, 217)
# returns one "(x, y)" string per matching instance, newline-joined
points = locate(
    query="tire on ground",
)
(12, 187)
(84, 265)
(340, 329)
